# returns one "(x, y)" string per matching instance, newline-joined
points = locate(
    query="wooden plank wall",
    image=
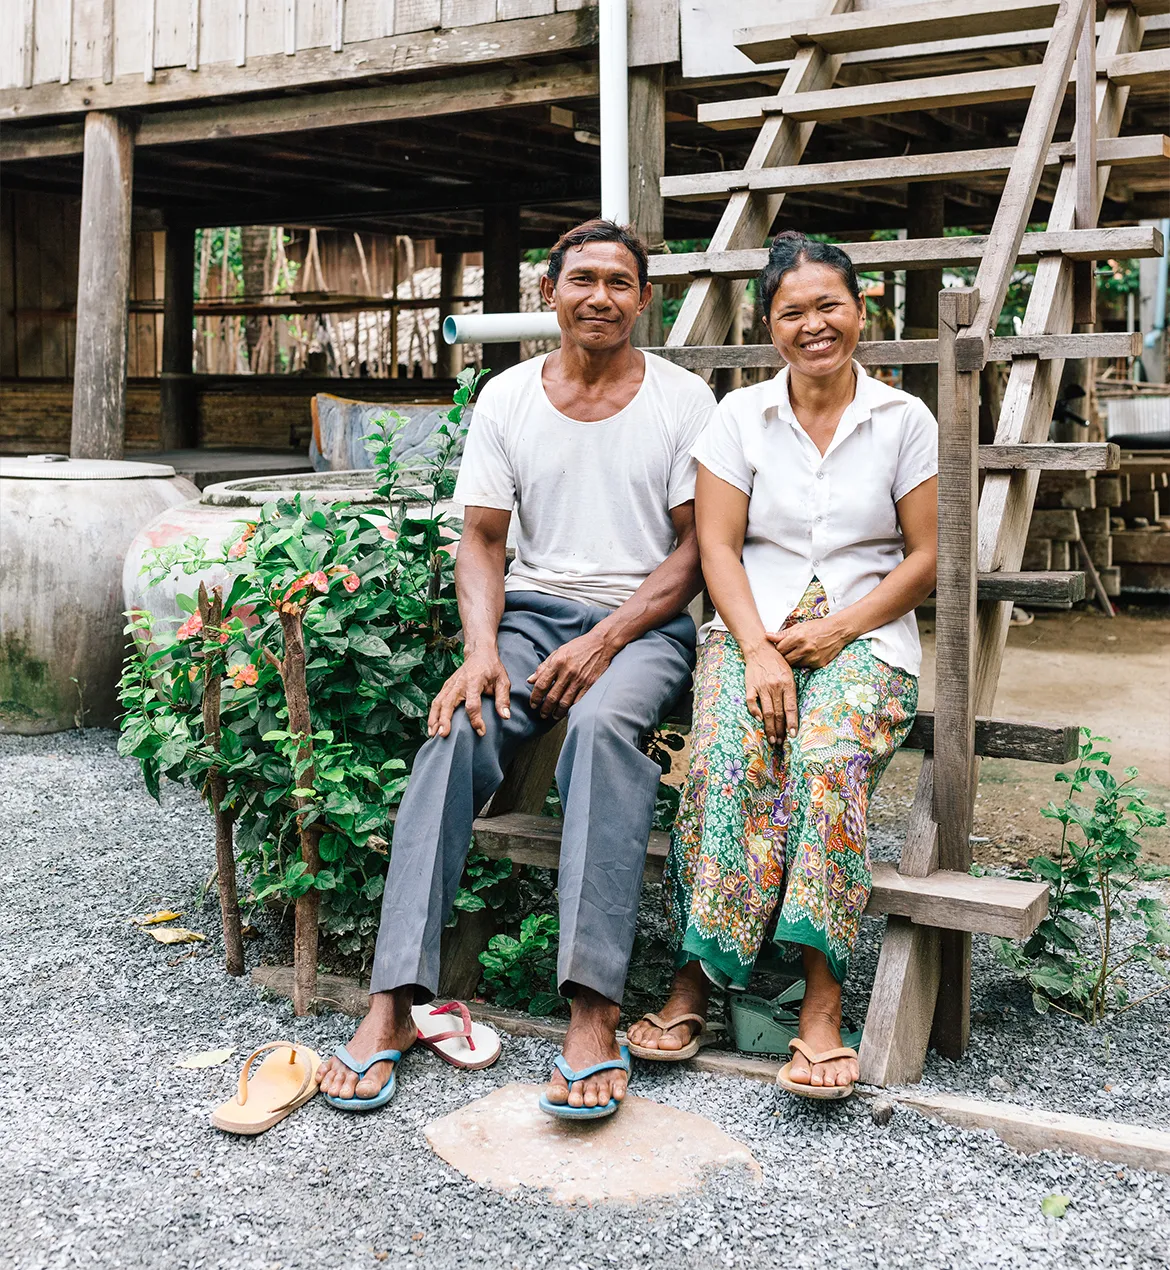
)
(70, 40)
(39, 236)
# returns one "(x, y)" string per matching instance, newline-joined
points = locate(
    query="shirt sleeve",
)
(720, 449)
(486, 477)
(918, 453)
(683, 468)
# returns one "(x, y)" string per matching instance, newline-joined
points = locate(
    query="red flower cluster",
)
(243, 673)
(238, 550)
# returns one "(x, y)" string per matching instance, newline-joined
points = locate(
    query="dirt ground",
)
(1067, 667)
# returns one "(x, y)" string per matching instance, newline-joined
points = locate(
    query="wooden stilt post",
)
(954, 710)
(647, 88)
(501, 276)
(924, 219)
(178, 428)
(448, 357)
(103, 289)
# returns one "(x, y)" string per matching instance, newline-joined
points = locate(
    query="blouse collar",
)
(869, 394)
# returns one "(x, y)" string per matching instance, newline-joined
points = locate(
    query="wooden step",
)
(1032, 588)
(894, 26)
(891, 97)
(1005, 738)
(1137, 241)
(1148, 69)
(901, 169)
(933, 92)
(955, 901)
(1091, 456)
(912, 352)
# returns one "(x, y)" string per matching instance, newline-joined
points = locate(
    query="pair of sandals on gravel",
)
(760, 1027)
(288, 1077)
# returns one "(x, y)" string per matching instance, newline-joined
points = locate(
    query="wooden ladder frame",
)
(979, 535)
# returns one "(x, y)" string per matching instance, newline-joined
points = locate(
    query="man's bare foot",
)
(388, 1026)
(820, 1027)
(591, 1039)
(689, 994)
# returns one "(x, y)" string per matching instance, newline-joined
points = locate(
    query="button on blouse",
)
(830, 516)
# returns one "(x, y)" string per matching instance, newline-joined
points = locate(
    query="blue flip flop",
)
(383, 1096)
(563, 1111)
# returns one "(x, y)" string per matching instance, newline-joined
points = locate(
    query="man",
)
(590, 445)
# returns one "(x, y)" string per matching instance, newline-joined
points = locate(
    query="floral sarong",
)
(761, 827)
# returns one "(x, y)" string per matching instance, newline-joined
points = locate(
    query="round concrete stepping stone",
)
(645, 1151)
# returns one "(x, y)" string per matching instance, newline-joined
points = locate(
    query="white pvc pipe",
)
(506, 328)
(499, 328)
(613, 19)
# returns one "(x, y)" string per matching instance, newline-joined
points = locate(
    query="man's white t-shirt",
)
(592, 500)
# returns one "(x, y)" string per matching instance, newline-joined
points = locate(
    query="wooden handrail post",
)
(954, 752)
(1084, 275)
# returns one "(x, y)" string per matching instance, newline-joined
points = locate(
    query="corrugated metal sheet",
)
(1147, 413)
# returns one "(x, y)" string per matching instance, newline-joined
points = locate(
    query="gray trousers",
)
(607, 786)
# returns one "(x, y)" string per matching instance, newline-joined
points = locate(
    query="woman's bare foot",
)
(689, 994)
(820, 1027)
(388, 1026)
(591, 1039)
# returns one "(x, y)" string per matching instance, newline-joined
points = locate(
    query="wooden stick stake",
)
(300, 721)
(211, 612)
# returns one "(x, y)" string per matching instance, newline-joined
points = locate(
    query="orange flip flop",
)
(804, 1090)
(281, 1085)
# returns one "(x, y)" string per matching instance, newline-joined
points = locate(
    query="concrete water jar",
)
(64, 528)
(218, 516)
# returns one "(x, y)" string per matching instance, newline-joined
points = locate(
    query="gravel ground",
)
(108, 1158)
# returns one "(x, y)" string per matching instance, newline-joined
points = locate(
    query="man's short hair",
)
(599, 231)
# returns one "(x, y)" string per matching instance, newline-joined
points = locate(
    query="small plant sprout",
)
(1102, 923)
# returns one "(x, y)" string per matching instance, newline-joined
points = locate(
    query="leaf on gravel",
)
(176, 935)
(209, 1058)
(1054, 1205)
(152, 919)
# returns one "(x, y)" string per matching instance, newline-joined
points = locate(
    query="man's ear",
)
(548, 291)
(645, 298)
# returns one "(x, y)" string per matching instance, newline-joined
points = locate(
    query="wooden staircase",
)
(931, 902)
(922, 991)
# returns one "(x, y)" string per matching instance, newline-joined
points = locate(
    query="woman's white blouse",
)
(831, 517)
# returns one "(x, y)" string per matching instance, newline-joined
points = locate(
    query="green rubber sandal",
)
(767, 1028)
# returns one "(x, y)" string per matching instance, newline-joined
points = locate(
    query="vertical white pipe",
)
(613, 17)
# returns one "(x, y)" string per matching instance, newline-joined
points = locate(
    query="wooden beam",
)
(1138, 241)
(1149, 69)
(415, 53)
(915, 352)
(103, 289)
(1032, 588)
(496, 89)
(934, 92)
(501, 275)
(1085, 139)
(1005, 738)
(888, 27)
(1092, 456)
(178, 425)
(1019, 191)
(898, 169)
(647, 155)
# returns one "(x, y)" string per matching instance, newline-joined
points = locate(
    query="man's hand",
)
(567, 675)
(481, 675)
(813, 644)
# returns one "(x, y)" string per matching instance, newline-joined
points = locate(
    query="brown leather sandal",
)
(689, 1050)
(804, 1090)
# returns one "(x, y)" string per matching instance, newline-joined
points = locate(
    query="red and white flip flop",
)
(471, 1047)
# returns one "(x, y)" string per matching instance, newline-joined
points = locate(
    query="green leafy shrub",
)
(1100, 925)
(372, 589)
(521, 973)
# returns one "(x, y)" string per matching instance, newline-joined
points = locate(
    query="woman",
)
(817, 522)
